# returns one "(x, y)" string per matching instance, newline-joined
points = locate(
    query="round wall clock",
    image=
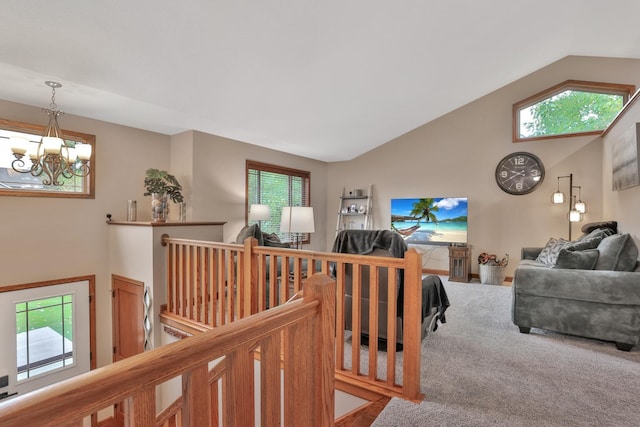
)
(519, 173)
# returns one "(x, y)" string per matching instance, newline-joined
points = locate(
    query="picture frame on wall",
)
(624, 159)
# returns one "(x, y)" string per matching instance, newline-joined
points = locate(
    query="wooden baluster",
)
(195, 397)
(213, 286)
(340, 292)
(356, 313)
(392, 322)
(222, 283)
(238, 388)
(270, 380)
(374, 299)
(251, 276)
(231, 286)
(142, 408)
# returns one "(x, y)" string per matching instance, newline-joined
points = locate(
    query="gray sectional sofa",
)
(589, 287)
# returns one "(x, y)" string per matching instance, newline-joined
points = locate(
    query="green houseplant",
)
(161, 186)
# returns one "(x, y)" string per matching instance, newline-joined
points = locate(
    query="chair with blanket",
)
(391, 244)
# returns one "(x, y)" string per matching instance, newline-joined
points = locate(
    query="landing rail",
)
(307, 330)
(212, 284)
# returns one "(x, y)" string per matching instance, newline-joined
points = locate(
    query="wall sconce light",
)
(576, 208)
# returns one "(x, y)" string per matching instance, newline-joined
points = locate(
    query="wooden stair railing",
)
(302, 330)
(211, 283)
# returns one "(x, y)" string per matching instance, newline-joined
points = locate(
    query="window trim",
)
(266, 167)
(625, 90)
(86, 138)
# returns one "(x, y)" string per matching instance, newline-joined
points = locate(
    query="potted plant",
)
(161, 186)
(492, 268)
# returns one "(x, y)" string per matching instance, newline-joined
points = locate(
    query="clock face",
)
(519, 173)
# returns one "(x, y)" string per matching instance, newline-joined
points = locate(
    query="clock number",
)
(519, 161)
(503, 174)
(519, 186)
(535, 172)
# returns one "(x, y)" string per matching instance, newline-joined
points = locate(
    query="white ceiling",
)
(325, 79)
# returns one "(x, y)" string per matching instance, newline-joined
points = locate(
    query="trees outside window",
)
(569, 109)
(277, 187)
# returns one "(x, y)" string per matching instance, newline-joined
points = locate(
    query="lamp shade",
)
(575, 216)
(297, 219)
(557, 197)
(580, 206)
(259, 212)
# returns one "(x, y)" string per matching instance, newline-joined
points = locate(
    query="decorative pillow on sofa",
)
(589, 241)
(603, 225)
(618, 252)
(250, 231)
(273, 240)
(549, 253)
(580, 260)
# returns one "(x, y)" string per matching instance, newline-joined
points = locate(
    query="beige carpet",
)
(478, 370)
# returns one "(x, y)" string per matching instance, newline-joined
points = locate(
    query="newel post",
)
(412, 324)
(250, 269)
(323, 288)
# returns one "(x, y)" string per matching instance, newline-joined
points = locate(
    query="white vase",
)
(159, 207)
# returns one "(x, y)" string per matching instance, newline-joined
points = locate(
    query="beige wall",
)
(456, 156)
(218, 191)
(623, 205)
(50, 238)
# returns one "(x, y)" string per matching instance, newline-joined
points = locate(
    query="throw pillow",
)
(581, 260)
(606, 225)
(618, 252)
(250, 231)
(273, 240)
(549, 253)
(587, 242)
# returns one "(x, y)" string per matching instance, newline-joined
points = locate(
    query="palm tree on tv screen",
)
(424, 209)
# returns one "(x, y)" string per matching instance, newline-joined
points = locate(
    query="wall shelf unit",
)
(355, 210)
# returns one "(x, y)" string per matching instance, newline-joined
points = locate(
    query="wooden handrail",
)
(227, 282)
(305, 321)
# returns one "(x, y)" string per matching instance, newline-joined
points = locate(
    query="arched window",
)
(571, 108)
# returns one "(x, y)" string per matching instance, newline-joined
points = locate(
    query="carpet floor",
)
(479, 370)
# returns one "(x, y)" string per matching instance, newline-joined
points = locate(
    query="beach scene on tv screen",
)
(437, 220)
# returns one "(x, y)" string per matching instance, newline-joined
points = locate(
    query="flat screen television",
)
(430, 221)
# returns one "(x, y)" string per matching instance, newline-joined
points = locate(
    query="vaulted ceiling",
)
(328, 80)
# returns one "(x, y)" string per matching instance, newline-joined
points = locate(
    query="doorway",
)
(127, 325)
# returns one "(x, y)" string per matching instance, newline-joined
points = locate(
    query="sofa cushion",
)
(250, 231)
(549, 253)
(618, 252)
(580, 260)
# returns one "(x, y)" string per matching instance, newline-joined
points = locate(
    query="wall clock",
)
(519, 173)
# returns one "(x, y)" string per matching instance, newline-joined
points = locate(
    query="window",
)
(44, 335)
(14, 183)
(571, 108)
(276, 187)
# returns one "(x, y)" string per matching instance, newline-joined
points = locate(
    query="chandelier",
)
(53, 157)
